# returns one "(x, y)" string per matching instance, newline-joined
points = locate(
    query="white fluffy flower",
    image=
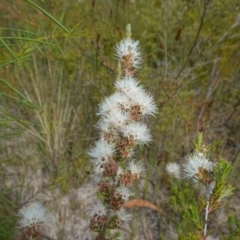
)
(123, 216)
(135, 167)
(129, 47)
(125, 192)
(146, 103)
(98, 209)
(174, 169)
(101, 152)
(129, 86)
(108, 131)
(34, 214)
(116, 118)
(138, 132)
(115, 101)
(194, 163)
(104, 126)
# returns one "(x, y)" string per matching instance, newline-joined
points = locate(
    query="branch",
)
(205, 6)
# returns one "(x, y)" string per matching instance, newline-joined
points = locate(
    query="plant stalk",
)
(206, 217)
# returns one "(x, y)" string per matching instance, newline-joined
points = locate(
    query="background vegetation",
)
(55, 70)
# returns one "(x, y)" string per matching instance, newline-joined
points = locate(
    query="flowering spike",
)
(122, 129)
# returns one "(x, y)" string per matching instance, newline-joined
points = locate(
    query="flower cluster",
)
(33, 218)
(122, 129)
(196, 167)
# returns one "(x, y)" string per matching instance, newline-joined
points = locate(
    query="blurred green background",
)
(54, 70)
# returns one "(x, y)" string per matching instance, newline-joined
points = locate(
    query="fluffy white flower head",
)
(174, 170)
(116, 118)
(125, 192)
(101, 152)
(99, 209)
(146, 103)
(194, 163)
(137, 132)
(117, 101)
(34, 214)
(129, 48)
(129, 86)
(136, 167)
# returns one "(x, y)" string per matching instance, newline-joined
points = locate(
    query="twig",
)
(105, 226)
(206, 3)
(206, 218)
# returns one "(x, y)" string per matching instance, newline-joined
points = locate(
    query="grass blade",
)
(27, 39)
(9, 49)
(14, 119)
(13, 61)
(47, 14)
(15, 90)
(19, 30)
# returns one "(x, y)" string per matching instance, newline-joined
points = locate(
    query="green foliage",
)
(194, 215)
(198, 145)
(222, 188)
(234, 227)
(180, 206)
(190, 236)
